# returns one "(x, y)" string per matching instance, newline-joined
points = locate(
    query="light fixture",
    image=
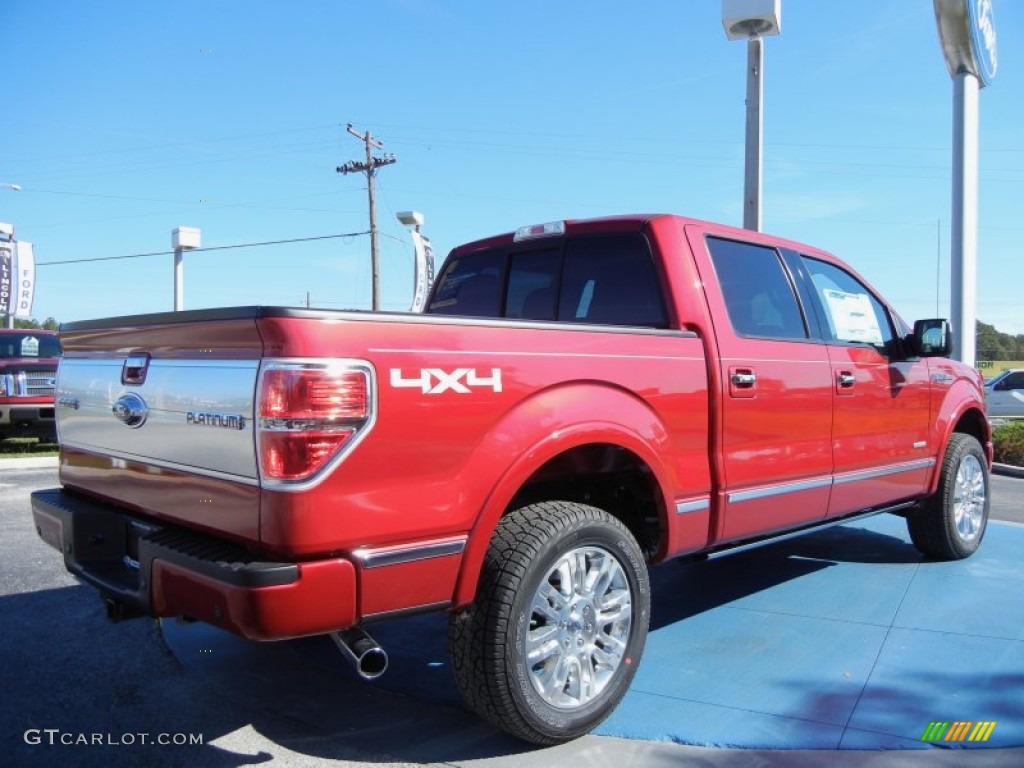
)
(743, 19)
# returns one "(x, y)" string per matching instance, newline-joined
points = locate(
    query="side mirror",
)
(932, 338)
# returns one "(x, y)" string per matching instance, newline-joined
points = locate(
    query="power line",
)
(675, 140)
(196, 250)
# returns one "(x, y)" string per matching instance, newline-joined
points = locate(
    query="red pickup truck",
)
(581, 399)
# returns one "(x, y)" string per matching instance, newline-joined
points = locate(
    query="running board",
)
(744, 545)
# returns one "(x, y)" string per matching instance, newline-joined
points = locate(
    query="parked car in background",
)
(1004, 393)
(28, 376)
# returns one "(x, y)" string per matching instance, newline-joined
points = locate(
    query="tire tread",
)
(477, 636)
(931, 527)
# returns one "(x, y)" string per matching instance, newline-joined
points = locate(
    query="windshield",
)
(28, 345)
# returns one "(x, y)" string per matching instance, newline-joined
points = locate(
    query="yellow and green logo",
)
(958, 730)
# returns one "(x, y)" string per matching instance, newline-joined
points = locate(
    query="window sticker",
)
(30, 346)
(853, 316)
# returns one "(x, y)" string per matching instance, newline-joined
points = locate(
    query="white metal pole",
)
(964, 235)
(754, 144)
(179, 280)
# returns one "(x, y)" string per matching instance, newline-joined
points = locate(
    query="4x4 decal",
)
(434, 381)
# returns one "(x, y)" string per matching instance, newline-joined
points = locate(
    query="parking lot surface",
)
(842, 638)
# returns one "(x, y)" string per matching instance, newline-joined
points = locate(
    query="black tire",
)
(950, 524)
(533, 549)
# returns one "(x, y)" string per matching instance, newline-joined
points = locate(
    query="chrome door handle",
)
(744, 379)
(845, 379)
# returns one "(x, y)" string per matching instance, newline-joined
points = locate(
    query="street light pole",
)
(182, 239)
(423, 261)
(751, 20)
(754, 136)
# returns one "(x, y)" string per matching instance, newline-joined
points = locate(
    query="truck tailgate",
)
(194, 415)
(158, 416)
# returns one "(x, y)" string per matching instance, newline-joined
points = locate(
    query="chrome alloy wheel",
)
(579, 627)
(969, 498)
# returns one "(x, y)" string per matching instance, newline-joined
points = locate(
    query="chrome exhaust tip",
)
(361, 650)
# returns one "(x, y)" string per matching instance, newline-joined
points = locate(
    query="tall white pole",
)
(754, 142)
(179, 280)
(964, 235)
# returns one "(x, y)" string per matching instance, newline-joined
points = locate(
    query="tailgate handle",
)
(134, 369)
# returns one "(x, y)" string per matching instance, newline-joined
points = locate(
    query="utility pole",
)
(369, 167)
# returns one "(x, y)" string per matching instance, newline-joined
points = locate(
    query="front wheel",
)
(553, 639)
(950, 524)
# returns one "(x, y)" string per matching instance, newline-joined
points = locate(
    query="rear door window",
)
(759, 295)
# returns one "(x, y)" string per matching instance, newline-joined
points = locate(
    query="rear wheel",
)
(950, 524)
(553, 639)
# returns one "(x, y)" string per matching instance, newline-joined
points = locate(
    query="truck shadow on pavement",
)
(67, 668)
(686, 588)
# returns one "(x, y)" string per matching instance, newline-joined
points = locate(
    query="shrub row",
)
(1008, 441)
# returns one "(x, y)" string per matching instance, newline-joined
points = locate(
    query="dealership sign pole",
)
(7, 276)
(967, 33)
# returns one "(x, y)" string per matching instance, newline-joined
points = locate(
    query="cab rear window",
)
(609, 280)
(15, 345)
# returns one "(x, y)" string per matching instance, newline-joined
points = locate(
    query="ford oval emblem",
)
(131, 409)
(983, 38)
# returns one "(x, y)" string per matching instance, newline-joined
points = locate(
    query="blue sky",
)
(124, 120)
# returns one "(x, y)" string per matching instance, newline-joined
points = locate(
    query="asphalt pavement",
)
(68, 674)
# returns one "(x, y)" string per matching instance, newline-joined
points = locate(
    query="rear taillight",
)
(310, 414)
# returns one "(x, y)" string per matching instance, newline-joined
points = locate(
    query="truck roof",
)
(637, 222)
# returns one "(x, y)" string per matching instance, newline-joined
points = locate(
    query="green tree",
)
(50, 324)
(993, 345)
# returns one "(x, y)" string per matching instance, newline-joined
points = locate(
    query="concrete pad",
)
(925, 676)
(843, 639)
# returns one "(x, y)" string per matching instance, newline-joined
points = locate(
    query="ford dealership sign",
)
(967, 31)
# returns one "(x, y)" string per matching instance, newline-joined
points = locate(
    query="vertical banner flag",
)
(6, 276)
(24, 279)
(424, 276)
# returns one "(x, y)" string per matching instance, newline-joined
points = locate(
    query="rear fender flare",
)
(576, 415)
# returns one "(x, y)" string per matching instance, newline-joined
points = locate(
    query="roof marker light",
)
(550, 229)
